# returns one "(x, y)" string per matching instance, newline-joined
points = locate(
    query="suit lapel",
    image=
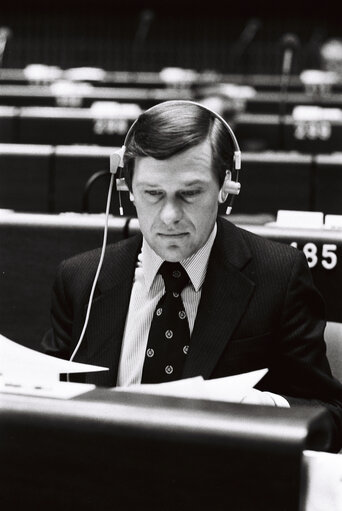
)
(109, 309)
(225, 296)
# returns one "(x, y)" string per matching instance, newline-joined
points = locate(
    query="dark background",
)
(148, 36)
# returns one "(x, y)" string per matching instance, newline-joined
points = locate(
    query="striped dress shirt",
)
(148, 288)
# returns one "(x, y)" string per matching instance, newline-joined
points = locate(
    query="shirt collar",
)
(195, 265)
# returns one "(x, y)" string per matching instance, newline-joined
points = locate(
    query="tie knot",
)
(174, 275)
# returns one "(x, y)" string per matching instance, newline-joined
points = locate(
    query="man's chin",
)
(173, 252)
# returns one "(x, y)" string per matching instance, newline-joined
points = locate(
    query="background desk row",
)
(45, 178)
(84, 95)
(107, 78)
(58, 125)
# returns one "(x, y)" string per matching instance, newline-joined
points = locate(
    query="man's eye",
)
(190, 193)
(153, 193)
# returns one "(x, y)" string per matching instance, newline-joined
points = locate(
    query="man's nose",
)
(171, 212)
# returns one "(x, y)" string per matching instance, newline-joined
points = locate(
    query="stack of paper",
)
(27, 371)
(230, 388)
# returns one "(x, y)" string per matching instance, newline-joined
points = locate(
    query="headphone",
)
(230, 187)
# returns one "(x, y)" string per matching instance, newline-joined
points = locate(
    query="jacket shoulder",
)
(258, 245)
(80, 269)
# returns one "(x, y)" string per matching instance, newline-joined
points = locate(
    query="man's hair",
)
(172, 127)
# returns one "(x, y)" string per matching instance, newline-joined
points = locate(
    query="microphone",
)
(145, 21)
(289, 43)
(246, 37)
(5, 34)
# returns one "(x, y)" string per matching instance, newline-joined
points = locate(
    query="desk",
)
(61, 126)
(54, 177)
(323, 249)
(45, 95)
(126, 451)
(329, 183)
(77, 125)
(273, 180)
(261, 82)
(31, 247)
(9, 119)
(262, 132)
(268, 102)
(25, 178)
(73, 167)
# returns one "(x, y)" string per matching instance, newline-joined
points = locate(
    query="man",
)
(249, 303)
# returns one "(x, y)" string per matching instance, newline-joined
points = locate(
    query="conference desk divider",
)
(71, 94)
(262, 132)
(84, 95)
(121, 450)
(31, 247)
(107, 126)
(48, 178)
(152, 79)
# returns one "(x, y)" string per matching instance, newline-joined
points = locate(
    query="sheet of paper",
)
(230, 388)
(323, 481)
(57, 390)
(21, 364)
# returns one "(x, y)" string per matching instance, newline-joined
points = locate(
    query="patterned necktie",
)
(169, 337)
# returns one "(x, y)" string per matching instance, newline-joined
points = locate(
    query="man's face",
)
(176, 201)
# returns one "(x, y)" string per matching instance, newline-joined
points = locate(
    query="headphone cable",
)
(104, 243)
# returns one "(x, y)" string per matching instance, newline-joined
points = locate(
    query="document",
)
(231, 389)
(322, 488)
(27, 371)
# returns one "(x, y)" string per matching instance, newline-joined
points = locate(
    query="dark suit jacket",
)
(259, 308)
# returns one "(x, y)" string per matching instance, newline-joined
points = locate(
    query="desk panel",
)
(268, 102)
(263, 132)
(25, 177)
(323, 250)
(74, 166)
(82, 96)
(275, 180)
(261, 82)
(131, 451)
(329, 183)
(9, 124)
(60, 126)
(31, 247)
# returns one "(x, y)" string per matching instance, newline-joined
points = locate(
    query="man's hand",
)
(256, 397)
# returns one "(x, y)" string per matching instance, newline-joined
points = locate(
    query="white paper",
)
(19, 364)
(323, 491)
(58, 390)
(230, 388)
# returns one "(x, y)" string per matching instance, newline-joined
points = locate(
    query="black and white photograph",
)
(170, 255)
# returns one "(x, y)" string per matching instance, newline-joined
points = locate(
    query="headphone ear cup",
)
(131, 197)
